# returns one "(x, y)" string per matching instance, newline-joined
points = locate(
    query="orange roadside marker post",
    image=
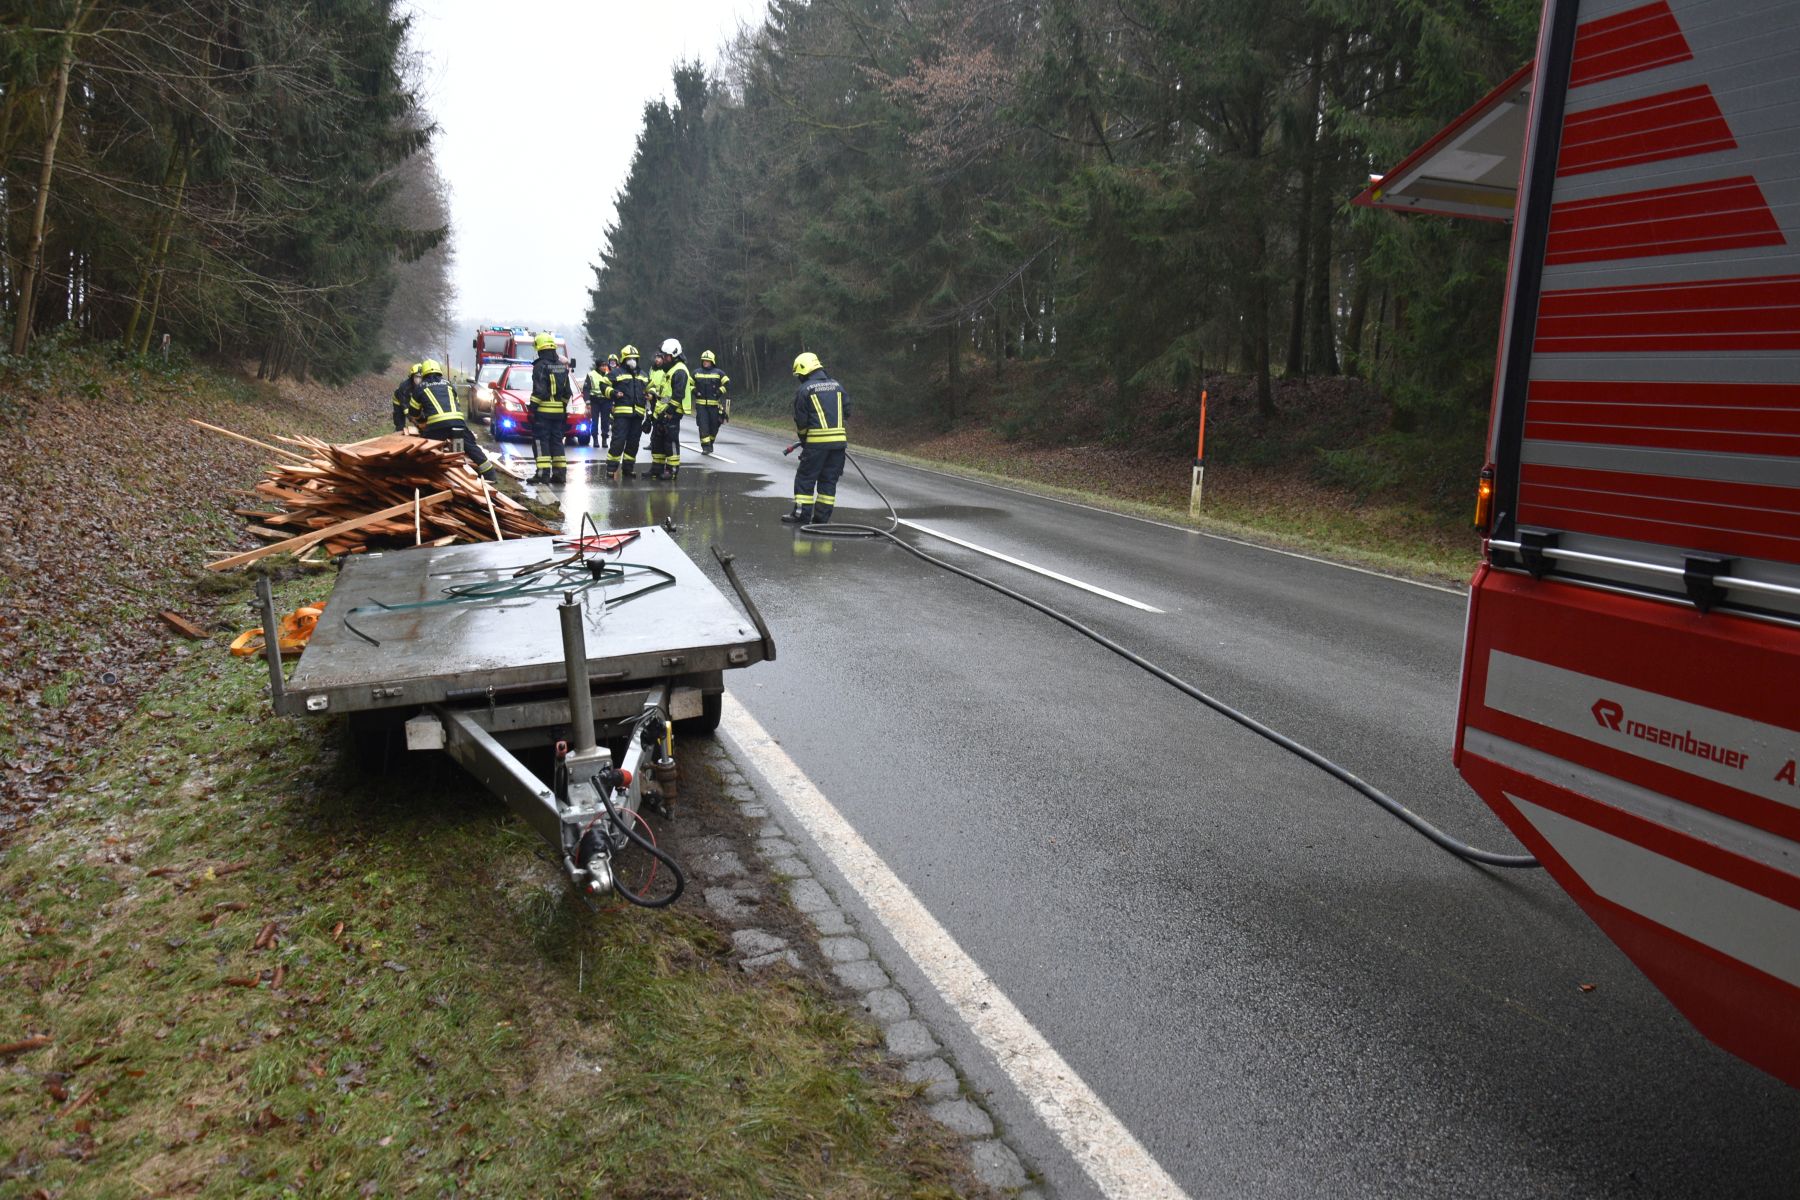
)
(1199, 463)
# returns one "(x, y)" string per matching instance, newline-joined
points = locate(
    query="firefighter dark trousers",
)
(815, 483)
(458, 430)
(665, 445)
(627, 429)
(706, 416)
(547, 433)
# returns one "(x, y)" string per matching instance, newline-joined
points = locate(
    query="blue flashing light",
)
(506, 423)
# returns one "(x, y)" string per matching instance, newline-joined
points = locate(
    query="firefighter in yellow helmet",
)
(403, 395)
(600, 409)
(819, 413)
(433, 409)
(712, 408)
(674, 398)
(550, 393)
(629, 388)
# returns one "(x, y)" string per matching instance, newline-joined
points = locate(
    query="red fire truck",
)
(490, 343)
(519, 346)
(1631, 678)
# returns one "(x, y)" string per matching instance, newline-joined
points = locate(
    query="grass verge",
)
(232, 966)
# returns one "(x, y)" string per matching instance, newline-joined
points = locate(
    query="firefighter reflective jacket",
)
(433, 403)
(820, 409)
(630, 392)
(550, 390)
(677, 391)
(403, 396)
(594, 386)
(709, 386)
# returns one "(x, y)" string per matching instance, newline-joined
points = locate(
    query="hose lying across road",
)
(1437, 836)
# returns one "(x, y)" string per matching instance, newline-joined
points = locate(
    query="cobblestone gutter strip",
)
(738, 891)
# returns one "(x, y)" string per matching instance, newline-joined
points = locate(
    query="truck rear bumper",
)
(1646, 753)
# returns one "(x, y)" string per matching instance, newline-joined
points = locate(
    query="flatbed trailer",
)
(490, 650)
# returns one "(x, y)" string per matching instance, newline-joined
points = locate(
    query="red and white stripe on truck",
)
(1631, 684)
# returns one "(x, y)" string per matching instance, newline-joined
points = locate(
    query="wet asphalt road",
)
(1280, 990)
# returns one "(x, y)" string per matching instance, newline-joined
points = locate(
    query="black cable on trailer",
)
(1394, 808)
(573, 573)
(648, 845)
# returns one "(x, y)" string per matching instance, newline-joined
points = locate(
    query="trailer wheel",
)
(712, 708)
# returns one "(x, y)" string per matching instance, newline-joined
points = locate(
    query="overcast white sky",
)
(534, 159)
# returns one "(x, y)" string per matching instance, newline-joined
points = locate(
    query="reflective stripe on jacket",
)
(709, 386)
(550, 390)
(433, 403)
(403, 396)
(629, 393)
(678, 390)
(820, 408)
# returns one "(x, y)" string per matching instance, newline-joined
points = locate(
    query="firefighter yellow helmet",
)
(628, 352)
(543, 342)
(415, 367)
(707, 357)
(431, 366)
(807, 363)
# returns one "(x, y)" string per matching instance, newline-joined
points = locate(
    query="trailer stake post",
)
(581, 696)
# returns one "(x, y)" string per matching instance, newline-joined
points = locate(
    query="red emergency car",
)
(512, 413)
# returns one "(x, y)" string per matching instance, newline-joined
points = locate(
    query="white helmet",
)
(671, 347)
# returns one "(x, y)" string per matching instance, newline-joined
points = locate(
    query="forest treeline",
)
(1142, 193)
(252, 179)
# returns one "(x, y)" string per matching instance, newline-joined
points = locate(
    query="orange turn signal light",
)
(1484, 499)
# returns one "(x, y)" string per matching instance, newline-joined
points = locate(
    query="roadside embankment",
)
(234, 963)
(111, 501)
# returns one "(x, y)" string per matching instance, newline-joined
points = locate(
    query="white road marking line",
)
(1045, 571)
(1112, 1157)
(718, 456)
(1217, 537)
(1328, 562)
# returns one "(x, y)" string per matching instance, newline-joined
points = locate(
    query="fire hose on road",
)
(1393, 807)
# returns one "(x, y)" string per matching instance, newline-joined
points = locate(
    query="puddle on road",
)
(738, 506)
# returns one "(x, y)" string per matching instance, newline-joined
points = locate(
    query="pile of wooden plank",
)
(388, 491)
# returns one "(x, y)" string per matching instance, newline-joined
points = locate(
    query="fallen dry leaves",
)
(105, 523)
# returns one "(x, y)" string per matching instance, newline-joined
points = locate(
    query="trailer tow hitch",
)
(594, 798)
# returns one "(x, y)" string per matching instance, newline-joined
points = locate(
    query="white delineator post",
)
(1199, 463)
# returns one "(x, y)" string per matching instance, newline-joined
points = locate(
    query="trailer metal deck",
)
(471, 650)
(486, 649)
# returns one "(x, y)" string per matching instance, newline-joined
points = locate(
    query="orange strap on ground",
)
(296, 631)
